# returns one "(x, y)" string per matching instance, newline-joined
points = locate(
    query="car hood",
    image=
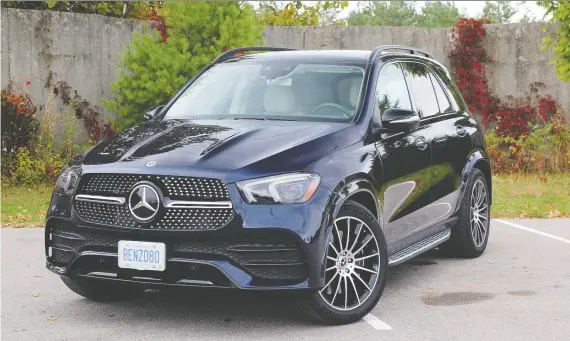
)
(230, 150)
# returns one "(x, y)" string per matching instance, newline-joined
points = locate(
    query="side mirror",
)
(151, 114)
(400, 120)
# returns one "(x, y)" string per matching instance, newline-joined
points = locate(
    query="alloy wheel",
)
(352, 266)
(479, 213)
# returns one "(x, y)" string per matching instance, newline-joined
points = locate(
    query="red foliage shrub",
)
(19, 123)
(469, 57)
(512, 118)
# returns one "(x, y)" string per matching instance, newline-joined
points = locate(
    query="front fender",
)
(348, 189)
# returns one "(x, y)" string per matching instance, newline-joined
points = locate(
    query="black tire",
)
(462, 242)
(313, 304)
(103, 291)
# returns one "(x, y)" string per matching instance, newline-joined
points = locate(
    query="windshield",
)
(272, 90)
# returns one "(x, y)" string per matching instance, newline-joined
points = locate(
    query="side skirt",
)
(421, 242)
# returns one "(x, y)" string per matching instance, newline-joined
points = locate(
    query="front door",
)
(405, 159)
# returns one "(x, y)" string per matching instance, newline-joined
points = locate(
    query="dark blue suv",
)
(276, 169)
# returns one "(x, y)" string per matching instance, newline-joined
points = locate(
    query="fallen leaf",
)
(429, 291)
(113, 332)
(36, 294)
(51, 319)
(543, 179)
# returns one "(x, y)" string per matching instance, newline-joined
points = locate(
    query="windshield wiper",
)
(260, 118)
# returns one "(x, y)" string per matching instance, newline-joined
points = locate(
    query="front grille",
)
(266, 255)
(173, 187)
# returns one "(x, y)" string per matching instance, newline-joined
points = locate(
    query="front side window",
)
(391, 89)
(421, 88)
(272, 90)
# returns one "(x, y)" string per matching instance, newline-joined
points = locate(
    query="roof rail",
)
(406, 49)
(230, 53)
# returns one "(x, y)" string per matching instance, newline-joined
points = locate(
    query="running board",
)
(419, 247)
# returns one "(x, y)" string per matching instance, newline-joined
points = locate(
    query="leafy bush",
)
(154, 68)
(545, 149)
(53, 146)
(26, 169)
(19, 123)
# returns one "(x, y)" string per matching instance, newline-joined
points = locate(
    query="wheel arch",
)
(477, 160)
(358, 188)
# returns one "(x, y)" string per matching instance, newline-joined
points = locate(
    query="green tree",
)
(404, 13)
(559, 40)
(499, 12)
(299, 13)
(438, 14)
(384, 13)
(527, 18)
(153, 70)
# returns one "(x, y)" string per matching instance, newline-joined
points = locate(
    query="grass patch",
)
(531, 196)
(514, 196)
(25, 206)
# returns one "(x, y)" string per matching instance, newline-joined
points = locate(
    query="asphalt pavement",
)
(518, 290)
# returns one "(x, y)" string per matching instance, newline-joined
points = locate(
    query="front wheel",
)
(355, 268)
(469, 238)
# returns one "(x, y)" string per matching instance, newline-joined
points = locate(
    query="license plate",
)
(142, 255)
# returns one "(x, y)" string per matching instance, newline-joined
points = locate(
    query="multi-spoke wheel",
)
(353, 263)
(479, 213)
(469, 238)
(355, 268)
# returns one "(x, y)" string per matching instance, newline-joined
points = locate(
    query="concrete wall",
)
(82, 50)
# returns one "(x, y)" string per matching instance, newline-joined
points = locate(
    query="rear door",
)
(448, 130)
(406, 160)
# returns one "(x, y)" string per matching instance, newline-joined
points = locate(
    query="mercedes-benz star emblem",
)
(144, 202)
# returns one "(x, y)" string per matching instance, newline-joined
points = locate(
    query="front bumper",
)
(263, 247)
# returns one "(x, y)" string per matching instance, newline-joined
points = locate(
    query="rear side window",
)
(444, 105)
(452, 92)
(421, 88)
(391, 89)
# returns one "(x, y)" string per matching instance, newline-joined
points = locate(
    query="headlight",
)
(280, 189)
(67, 181)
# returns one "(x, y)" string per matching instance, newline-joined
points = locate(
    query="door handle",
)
(461, 131)
(421, 143)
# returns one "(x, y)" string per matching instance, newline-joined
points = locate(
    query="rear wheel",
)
(100, 290)
(469, 238)
(356, 268)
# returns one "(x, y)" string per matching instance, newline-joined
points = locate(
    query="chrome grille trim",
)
(196, 204)
(100, 199)
(186, 202)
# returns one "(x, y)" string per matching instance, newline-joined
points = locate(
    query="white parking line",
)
(376, 323)
(528, 229)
